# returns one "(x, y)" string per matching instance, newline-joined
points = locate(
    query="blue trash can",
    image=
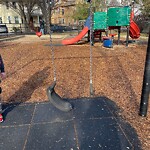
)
(108, 42)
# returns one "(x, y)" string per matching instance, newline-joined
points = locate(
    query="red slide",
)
(134, 30)
(77, 38)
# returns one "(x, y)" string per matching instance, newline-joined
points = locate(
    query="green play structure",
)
(114, 18)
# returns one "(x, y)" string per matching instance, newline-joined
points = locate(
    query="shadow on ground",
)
(24, 93)
(94, 123)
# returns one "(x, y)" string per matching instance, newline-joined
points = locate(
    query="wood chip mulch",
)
(117, 75)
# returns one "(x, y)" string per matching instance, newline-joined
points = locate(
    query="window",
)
(16, 19)
(59, 21)
(58, 10)
(1, 20)
(7, 5)
(14, 5)
(63, 11)
(63, 21)
(22, 20)
(9, 19)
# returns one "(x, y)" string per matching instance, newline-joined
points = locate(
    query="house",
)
(12, 18)
(63, 11)
(9, 16)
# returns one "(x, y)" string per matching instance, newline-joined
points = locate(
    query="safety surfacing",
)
(93, 124)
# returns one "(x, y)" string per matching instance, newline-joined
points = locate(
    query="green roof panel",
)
(119, 16)
(100, 20)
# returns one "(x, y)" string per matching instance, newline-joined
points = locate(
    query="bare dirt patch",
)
(117, 75)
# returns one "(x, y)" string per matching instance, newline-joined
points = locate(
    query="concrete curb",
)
(12, 38)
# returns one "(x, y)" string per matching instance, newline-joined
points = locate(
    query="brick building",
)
(63, 11)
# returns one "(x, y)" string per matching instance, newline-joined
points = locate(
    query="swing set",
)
(65, 106)
(53, 97)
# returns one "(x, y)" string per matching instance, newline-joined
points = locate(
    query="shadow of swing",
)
(94, 120)
(25, 91)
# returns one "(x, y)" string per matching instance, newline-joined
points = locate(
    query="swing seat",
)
(39, 34)
(56, 100)
(112, 35)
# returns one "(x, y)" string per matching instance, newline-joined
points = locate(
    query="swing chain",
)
(91, 43)
(52, 53)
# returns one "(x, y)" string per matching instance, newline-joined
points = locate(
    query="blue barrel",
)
(107, 42)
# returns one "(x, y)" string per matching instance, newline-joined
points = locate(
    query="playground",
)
(98, 74)
(117, 74)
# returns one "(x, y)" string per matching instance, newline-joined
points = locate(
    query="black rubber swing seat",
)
(56, 100)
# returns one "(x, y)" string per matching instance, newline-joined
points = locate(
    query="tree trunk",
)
(47, 17)
(26, 23)
(48, 20)
(46, 11)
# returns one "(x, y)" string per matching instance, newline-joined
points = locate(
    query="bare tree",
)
(47, 7)
(113, 3)
(126, 2)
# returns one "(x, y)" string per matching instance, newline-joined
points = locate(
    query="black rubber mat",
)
(93, 124)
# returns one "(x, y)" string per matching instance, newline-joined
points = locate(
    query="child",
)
(2, 73)
(42, 26)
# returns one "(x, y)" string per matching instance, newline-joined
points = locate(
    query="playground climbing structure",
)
(114, 18)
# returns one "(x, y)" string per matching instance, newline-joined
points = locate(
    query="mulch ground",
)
(117, 75)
